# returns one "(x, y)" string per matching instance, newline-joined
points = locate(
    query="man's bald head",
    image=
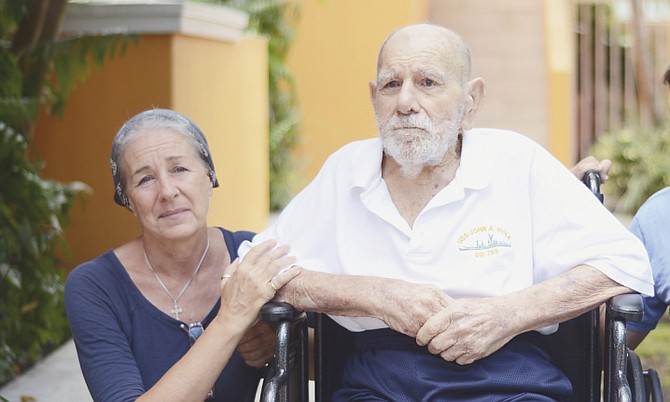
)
(449, 43)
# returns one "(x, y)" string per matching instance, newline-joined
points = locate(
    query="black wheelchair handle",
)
(276, 311)
(592, 180)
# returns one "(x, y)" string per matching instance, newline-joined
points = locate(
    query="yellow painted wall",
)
(226, 94)
(333, 58)
(221, 86)
(558, 20)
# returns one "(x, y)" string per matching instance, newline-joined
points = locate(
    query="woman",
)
(136, 311)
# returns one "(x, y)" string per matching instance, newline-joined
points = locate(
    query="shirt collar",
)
(476, 158)
(474, 171)
(366, 168)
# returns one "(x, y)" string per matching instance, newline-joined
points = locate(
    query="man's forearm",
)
(353, 296)
(402, 305)
(561, 298)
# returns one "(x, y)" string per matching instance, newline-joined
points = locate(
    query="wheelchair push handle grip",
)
(592, 180)
(277, 311)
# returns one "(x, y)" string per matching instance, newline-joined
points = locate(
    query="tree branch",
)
(55, 14)
(30, 28)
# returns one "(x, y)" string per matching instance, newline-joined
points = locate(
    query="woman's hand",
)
(249, 284)
(257, 346)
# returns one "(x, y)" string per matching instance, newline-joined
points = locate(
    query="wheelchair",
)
(611, 375)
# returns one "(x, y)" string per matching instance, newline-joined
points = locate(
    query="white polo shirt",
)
(513, 216)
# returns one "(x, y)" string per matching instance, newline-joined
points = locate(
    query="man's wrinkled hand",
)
(410, 305)
(591, 163)
(467, 330)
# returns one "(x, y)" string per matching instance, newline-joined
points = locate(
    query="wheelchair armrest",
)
(620, 309)
(277, 380)
(627, 307)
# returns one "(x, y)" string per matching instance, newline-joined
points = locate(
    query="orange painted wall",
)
(333, 58)
(221, 86)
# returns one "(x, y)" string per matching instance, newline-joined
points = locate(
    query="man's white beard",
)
(416, 142)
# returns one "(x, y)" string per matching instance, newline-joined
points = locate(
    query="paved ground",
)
(56, 378)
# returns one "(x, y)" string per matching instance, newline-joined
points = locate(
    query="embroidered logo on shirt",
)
(484, 240)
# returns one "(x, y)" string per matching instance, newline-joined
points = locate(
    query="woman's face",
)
(167, 184)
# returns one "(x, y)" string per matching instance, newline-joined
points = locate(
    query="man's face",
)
(418, 102)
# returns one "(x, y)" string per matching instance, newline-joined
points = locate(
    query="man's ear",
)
(473, 101)
(372, 86)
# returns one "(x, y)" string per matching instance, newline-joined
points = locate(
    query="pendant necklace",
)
(176, 309)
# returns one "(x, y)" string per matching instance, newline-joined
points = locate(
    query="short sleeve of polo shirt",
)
(651, 225)
(571, 228)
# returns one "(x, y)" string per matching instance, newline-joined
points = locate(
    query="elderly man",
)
(439, 243)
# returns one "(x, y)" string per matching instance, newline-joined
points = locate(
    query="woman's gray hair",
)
(155, 119)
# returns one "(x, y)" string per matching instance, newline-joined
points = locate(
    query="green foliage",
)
(15, 109)
(33, 209)
(640, 164)
(271, 18)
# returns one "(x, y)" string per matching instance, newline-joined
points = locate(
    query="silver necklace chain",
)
(175, 306)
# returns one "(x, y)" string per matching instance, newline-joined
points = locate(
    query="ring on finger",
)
(286, 269)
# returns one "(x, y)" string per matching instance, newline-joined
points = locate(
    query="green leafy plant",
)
(272, 18)
(640, 164)
(32, 211)
(37, 69)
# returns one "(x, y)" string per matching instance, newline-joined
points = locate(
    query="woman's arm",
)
(102, 333)
(245, 288)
